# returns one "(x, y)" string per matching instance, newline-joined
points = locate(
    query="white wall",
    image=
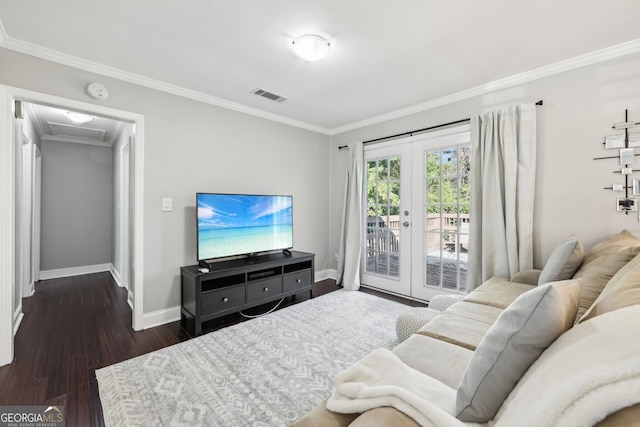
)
(190, 147)
(208, 149)
(579, 108)
(77, 200)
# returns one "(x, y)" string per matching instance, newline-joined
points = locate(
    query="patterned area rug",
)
(267, 371)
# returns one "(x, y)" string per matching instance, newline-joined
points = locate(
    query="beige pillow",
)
(601, 263)
(520, 334)
(563, 262)
(621, 291)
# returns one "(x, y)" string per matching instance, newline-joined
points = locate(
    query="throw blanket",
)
(381, 379)
(591, 371)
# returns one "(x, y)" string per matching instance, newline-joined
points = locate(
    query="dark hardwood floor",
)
(73, 326)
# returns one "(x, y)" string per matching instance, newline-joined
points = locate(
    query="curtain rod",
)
(410, 133)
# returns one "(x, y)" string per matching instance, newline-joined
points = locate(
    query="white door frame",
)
(37, 203)
(412, 201)
(402, 284)
(8, 95)
(26, 236)
(449, 137)
(124, 213)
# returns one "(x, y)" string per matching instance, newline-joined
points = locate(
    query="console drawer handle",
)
(225, 299)
(266, 289)
(298, 281)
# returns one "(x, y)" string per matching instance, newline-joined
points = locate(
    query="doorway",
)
(8, 189)
(416, 200)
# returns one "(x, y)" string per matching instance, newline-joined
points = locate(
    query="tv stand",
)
(236, 285)
(286, 252)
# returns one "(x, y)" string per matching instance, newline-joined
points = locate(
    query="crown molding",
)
(104, 70)
(602, 55)
(595, 57)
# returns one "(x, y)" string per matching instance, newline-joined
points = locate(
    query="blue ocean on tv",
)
(241, 224)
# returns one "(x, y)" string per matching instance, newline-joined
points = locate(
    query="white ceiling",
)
(387, 59)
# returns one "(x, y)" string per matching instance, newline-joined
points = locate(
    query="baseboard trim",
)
(161, 317)
(32, 290)
(118, 279)
(18, 315)
(326, 274)
(116, 275)
(130, 298)
(74, 271)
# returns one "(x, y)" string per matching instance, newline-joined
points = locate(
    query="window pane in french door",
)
(447, 207)
(383, 217)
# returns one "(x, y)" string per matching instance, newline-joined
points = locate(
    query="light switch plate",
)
(167, 204)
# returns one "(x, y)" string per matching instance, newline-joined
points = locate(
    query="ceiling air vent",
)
(272, 96)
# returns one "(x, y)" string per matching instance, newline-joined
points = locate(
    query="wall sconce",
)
(626, 143)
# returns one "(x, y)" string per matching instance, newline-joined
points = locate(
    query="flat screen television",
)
(242, 224)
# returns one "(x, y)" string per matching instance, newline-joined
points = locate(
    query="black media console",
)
(239, 284)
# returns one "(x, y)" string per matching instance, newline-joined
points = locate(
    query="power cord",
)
(253, 316)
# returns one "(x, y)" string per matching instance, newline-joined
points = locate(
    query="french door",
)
(417, 214)
(387, 236)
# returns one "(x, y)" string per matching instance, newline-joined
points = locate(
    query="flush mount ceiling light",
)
(79, 117)
(311, 47)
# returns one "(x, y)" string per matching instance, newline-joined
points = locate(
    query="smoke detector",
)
(97, 91)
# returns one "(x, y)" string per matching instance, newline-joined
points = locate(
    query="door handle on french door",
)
(405, 224)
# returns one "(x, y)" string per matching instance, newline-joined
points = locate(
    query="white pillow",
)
(520, 334)
(563, 262)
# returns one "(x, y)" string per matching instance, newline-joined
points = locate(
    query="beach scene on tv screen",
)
(230, 224)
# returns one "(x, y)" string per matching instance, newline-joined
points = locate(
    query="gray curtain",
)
(351, 233)
(503, 156)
